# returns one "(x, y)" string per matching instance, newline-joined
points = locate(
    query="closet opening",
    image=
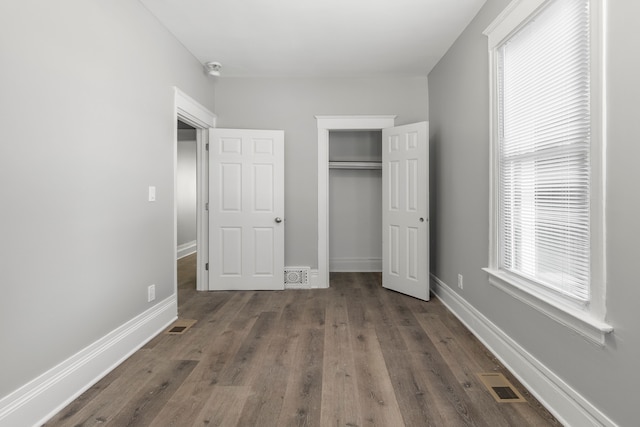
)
(404, 202)
(355, 201)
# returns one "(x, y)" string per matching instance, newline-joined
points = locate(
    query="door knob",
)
(278, 220)
(421, 219)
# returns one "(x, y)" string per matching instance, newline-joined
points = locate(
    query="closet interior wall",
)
(355, 201)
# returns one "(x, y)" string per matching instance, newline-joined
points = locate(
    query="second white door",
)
(246, 209)
(405, 209)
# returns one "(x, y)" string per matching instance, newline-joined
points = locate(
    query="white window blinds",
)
(543, 150)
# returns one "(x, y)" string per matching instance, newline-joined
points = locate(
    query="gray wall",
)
(459, 123)
(87, 106)
(355, 219)
(290, 104)
(355, 145)
(186, 196)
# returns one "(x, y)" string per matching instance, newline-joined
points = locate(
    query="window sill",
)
(575, 319)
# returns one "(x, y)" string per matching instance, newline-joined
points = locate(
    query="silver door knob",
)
(278, 220)
(421, 219)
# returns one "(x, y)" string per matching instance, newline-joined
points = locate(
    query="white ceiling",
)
(317, 37)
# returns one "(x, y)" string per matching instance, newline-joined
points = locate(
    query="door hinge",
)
(207, 146)
(206, 266)
(206, 206)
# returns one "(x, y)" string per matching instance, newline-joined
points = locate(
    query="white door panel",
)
(405, 222)
(246, 182)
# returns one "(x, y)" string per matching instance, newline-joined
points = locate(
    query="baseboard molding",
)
(37, 401)
(565, 403)
(347, 265)
(186, 249)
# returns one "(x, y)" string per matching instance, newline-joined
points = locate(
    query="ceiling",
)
(311, 38)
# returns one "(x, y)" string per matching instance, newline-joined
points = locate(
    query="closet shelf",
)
(355, 165)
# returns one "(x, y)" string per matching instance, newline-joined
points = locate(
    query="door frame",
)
(326, 124)
(190, 111)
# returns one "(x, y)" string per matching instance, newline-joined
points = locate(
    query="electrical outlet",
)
(460, 282)
(151, 293)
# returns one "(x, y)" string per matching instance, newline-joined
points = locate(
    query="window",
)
(546, 245)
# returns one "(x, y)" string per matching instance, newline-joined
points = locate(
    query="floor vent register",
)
(180, 326)
(500, 388)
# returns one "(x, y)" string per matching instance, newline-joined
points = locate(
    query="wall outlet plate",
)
(460, 281)
(151, 293)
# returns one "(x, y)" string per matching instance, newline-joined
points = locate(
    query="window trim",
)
(588, 320)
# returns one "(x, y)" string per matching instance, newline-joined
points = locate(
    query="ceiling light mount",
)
(213, 68)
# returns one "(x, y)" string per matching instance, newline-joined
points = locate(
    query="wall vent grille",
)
(296, 278)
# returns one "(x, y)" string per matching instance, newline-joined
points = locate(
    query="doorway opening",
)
(195, 116)
(405, 200)
(186, 207)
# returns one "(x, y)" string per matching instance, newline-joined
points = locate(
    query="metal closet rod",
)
(355, 165)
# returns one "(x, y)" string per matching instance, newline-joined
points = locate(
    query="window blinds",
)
(544, 141)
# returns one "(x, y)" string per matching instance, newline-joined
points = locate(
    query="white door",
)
(405, 209)
(246, 209)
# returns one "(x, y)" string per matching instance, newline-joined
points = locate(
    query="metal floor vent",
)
(500, 388)
(180, 326)
(296, 277)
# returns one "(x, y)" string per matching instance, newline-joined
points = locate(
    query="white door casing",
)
(191, 112)
(405, 209)
(246, 209)
(325, 125)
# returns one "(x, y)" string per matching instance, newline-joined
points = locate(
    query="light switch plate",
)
(152, 193)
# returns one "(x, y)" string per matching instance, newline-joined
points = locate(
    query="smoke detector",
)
(213, 68)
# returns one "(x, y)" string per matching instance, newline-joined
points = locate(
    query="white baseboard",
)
(186, 249)
(565, 403)
(346, 265)
(37, 401)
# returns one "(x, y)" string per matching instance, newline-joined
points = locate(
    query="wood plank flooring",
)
(351, 355)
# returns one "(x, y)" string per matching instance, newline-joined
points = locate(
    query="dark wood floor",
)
(351, 355)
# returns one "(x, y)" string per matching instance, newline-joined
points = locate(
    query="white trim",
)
(598, 161)
(354, 264)
(590, 321)
(564, 402)
(193, 113)
(314, 283)
(326, 124)
(511, 19)
(358, 122)
(576, 319)
(40, 399)
(297, 286)
(186, 249)
(202, 215)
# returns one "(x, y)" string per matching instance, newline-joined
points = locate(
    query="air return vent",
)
(296, 278)
(180, 326)
(500, 388)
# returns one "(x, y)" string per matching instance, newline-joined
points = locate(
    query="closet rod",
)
(355, 165)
